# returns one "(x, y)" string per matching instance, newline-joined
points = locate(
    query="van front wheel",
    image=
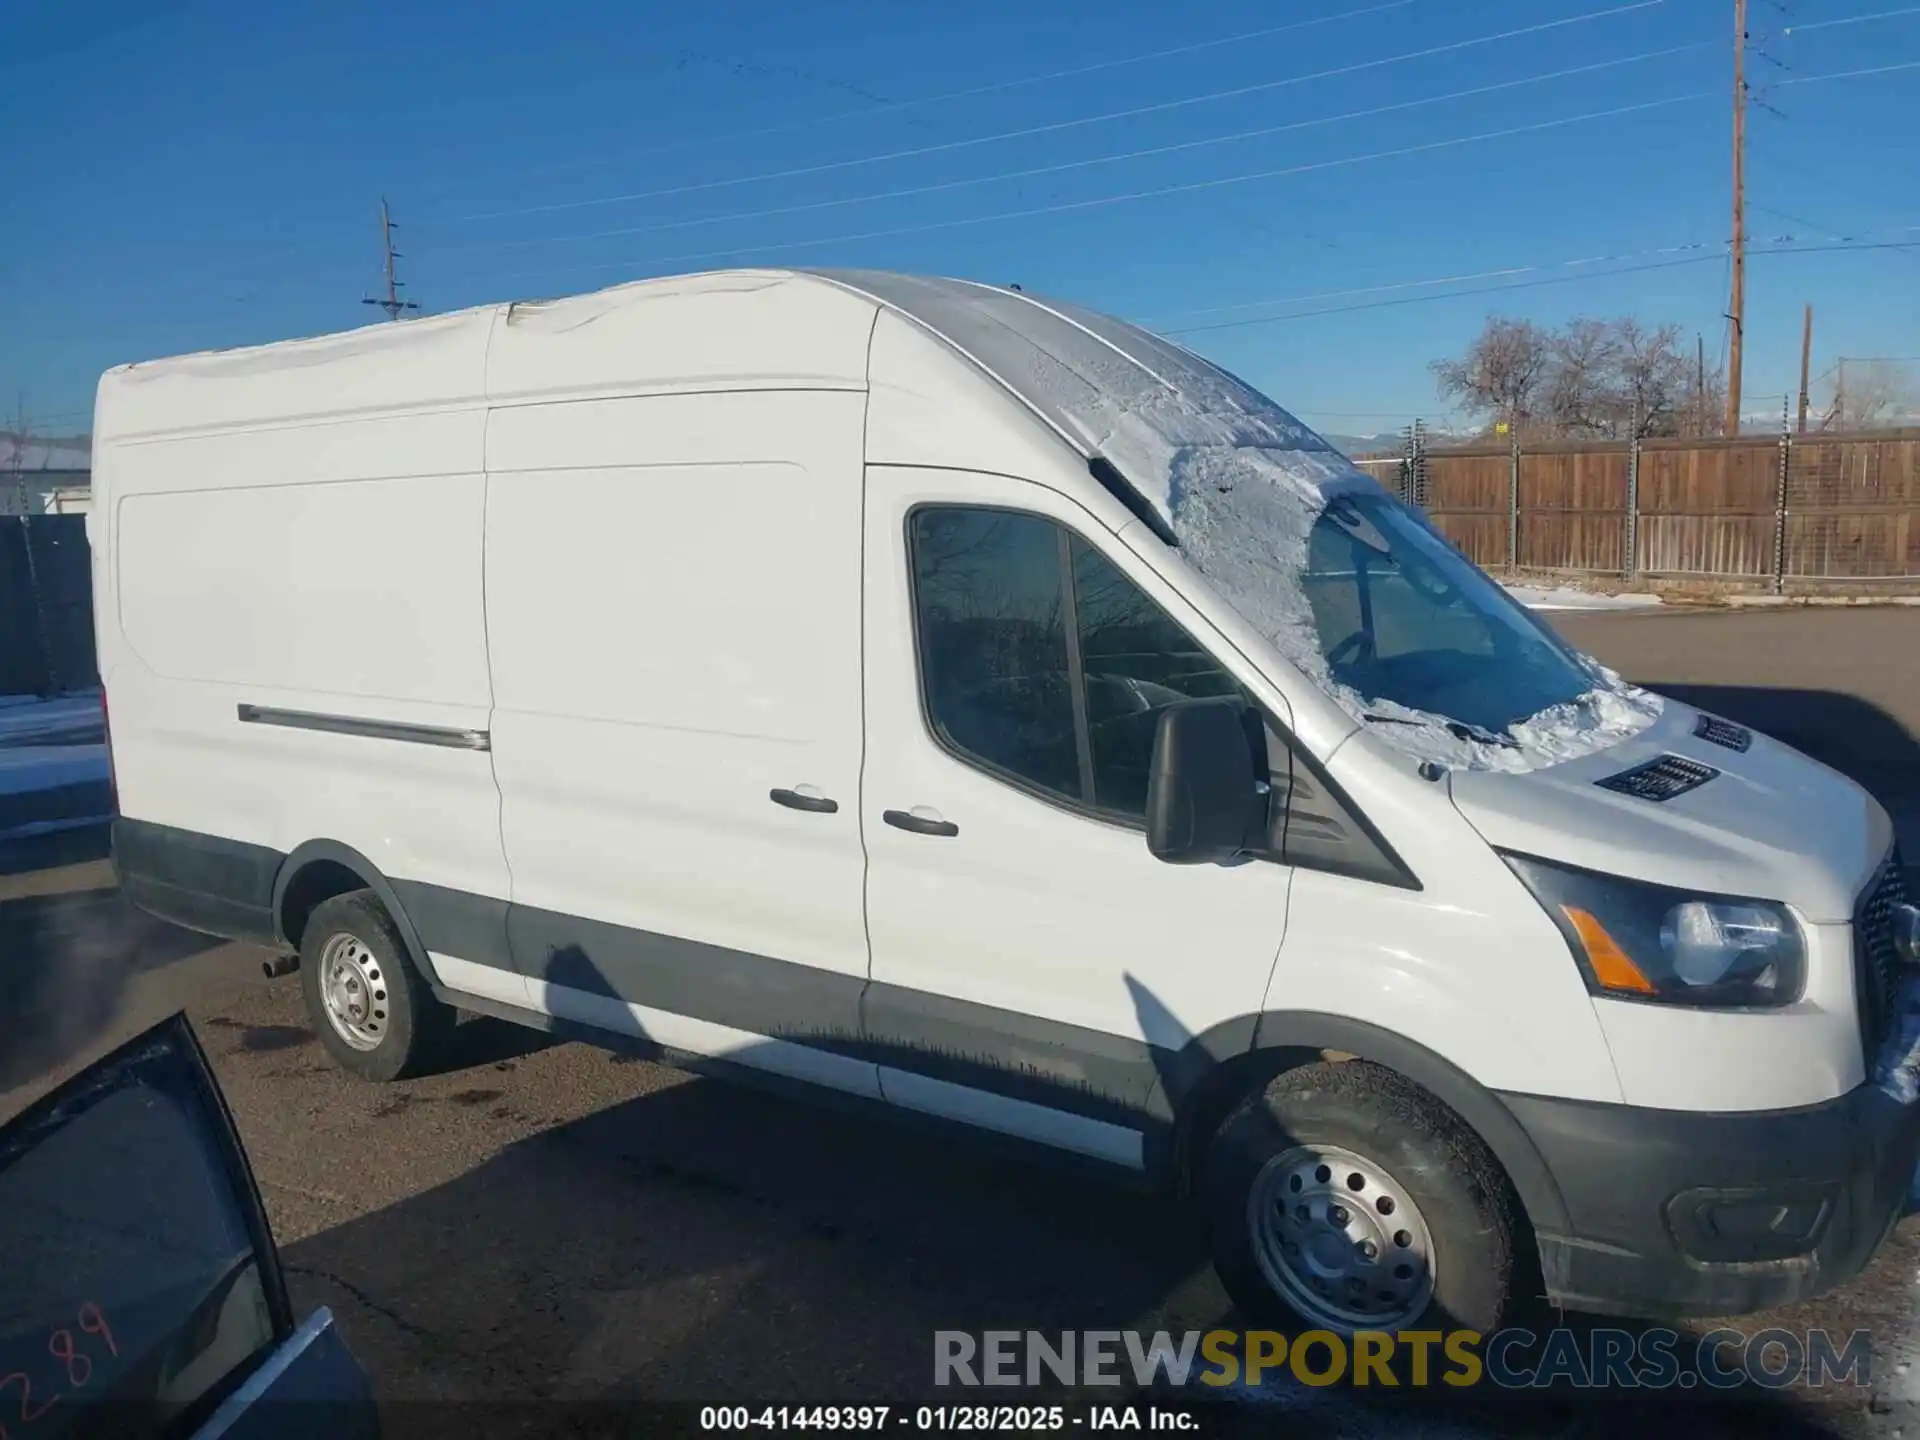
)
(373, 1011)
(1344, 1196)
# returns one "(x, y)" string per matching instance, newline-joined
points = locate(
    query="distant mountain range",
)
(1365, 444)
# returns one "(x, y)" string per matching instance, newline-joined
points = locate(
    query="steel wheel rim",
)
(353, 990)
(1340, 1240)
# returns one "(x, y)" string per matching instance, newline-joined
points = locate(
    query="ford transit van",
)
(992, 713)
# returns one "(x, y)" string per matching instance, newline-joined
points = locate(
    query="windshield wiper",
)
(1459, 729)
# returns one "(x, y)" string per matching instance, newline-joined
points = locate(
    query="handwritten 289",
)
(78, 1366)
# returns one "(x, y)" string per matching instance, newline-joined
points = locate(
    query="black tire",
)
(412, 1026)
(1460, 1194)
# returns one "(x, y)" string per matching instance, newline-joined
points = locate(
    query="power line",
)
(996, 87)
(1846, 74)
(1501, 289)
(1160, 192)
(1424, 299)
(1109, 159)
(1097, 202)
(1059, 125)
(1832, 233)
(1717, 247)
(1799, 220)
(1851, 20)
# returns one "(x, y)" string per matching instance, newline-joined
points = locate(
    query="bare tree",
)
(1703, 406)
(1651, 378)
(1873, 392)
(1501, 372)
(1592, 379)
(1581, 363)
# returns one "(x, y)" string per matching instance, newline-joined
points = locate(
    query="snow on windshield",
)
(1243, 483)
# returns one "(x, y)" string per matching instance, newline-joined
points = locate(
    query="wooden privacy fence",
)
(1801, 512)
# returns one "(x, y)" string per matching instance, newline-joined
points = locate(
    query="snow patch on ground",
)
(1536, 597)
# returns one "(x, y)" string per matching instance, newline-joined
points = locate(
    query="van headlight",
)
(1636, 941)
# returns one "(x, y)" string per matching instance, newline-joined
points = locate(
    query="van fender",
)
(1317, 1034)
(332, 851)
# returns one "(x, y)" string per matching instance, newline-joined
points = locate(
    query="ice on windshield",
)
(1357, 590)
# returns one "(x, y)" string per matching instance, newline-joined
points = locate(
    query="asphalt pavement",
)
(550, 1222)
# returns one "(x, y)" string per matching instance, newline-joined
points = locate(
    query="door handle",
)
(801, 800)
(919, 824)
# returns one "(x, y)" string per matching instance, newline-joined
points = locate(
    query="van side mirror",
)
(1205, 799)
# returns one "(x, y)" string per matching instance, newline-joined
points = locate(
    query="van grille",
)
(1716, 731)
(1876, 964)
(1660, 780)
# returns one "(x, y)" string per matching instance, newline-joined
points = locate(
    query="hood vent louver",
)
(1725, 733)
(1660, 780)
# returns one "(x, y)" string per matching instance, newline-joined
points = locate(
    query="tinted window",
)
(130, 1275)
(1137, 662)
(991, 610)
(1004, 685)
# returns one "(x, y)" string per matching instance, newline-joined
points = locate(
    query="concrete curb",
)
(1744, 601)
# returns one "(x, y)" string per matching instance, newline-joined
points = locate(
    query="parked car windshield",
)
(1403, 617)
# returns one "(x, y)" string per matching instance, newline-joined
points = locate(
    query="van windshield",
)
(1403, 618)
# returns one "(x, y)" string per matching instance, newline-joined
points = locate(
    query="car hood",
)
(1771, 824)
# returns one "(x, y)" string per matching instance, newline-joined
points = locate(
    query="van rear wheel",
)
(1346, 1197)
(372, 1009)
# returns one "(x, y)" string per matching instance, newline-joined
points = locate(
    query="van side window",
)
(988, 600)
(1041, 660)
(1136, 661)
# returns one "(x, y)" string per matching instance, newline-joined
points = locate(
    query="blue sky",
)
(192, 174)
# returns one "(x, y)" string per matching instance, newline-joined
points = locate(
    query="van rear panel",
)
(329, 572)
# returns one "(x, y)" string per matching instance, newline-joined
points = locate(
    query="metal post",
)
(1513, 502)
(1633, 505)
(1420, 495)
(1780, 502)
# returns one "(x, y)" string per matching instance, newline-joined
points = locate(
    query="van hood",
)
(1770, 823)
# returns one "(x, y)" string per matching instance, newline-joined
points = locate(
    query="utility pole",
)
(1840, 397)
(1737, 303)
(1806, 358)
(393, 304)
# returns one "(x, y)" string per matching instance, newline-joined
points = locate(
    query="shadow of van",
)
(714, 1243)
(64, 961)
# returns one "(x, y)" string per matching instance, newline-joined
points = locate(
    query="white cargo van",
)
(989, 711)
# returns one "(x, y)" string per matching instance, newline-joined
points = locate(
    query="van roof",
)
(1104, 386)
(1109, 388)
